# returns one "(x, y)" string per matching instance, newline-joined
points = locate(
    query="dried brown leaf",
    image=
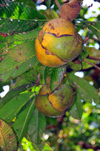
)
(70, 10)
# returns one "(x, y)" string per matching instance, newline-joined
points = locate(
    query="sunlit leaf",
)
(17, 17)
(22, 37)
(50, 14)
(93, 52)
(47, 148)
(19, 11)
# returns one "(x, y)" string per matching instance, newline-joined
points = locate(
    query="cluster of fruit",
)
(57, 44)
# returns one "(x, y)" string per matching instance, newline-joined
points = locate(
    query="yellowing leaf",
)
(7, 137)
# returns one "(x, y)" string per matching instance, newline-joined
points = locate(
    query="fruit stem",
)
(92, 64)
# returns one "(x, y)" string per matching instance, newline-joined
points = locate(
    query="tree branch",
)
(94, 58)
(92, 64)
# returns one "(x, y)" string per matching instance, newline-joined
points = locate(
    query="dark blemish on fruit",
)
(47, 52)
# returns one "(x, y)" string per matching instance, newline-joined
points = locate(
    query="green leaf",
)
(84, 53)
(30, 77)
(12, 108)
(22, 120)
(38, 147)
(92, 52)
(7, 137)
(50, 14)
(18, 25)
(42, 147)
(17, 17)
(27, 2)
(22, 37)
(48, 3)
(9, 42)
(93, 26)
(76, 110)
(54, 76)
(11, 94)
(76, 66)
(36, 126)
(14, 10)
(47, 148)
(18, 60)
(87, 92)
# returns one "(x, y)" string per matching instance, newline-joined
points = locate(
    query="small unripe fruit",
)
(55, 103)
(58, 43)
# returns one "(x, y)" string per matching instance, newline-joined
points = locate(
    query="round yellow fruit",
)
(55, 103)
(58, 43)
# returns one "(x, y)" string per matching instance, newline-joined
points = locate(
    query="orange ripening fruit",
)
(55, 103)
(58, 43)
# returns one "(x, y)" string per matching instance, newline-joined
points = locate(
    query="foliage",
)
(20, 23)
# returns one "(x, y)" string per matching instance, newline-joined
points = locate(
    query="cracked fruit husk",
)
(58, 43)
(55, 103)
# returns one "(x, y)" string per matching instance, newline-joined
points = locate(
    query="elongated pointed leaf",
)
(16, 10)
(7, 137)
(27, 2)
(47, 148)
(22, 37)
(11, 108)
(21, 123)
(11, 94)
(76, 109)
(54, 76)
(18, 60)
(38, 147)
(42, 146)
(87, 92)
(18, 25)
(30, 77)
(17, 17)
(36, 126)
(93, 26)
(92, 52)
